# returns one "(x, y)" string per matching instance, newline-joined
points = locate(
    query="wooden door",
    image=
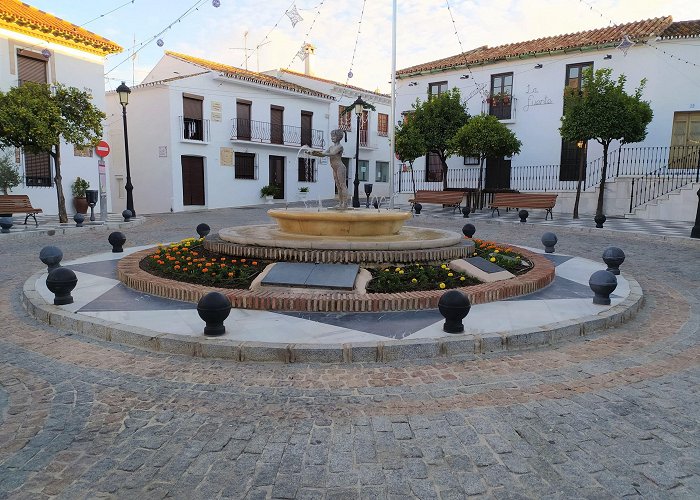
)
(243, 121)
(685, 140)
(277, 174)
(276, 125)
(497, 173)
(306, 123)
(192, 180)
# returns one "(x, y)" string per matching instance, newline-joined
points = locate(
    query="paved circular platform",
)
(105, 308)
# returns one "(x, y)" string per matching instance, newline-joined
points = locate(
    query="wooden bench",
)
(524, 200)
(18, 204)
(446, 198)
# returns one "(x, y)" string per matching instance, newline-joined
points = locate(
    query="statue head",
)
(337, 134)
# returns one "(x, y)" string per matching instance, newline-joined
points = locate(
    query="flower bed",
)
(504, 257)
(417, 277)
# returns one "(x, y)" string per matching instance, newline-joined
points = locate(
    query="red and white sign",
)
(102, 149)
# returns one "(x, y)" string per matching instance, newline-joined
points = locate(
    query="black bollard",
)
(523, 215)
(417, 207)
(600, 220)
(454, 306)
(51, 256)
(5, 224)
(465, 212)
(603, 283)
(127, 215)
(61, 283)
(613, 257)
(79, 219)
(468, 230)
(214, 308)
(117, 240)
(549, 240)
(203, 230)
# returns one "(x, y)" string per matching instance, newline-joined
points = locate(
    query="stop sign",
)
(102, 149)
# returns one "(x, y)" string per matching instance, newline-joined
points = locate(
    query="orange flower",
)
(242, 260)
(222, 258)
(205, 270)
(230, 275)
(185, 268)
(161, 262)
(255, 262)
(234, 260)
(176, 267)
(199, 265)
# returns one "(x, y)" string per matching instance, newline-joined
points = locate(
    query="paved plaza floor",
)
(609, 415)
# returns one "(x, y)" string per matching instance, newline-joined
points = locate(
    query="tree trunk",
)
(413, 178)
(478, 204)
(444, 173)
(603, 175)
(62, 215)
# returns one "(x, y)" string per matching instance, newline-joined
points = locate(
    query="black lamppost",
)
(695, 232)
(359, 107)
(124, 92)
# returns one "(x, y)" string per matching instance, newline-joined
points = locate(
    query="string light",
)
(461, 50)
(311, 26)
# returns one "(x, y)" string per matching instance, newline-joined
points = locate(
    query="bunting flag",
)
(293, 15)
(625, 44)
(302, 54)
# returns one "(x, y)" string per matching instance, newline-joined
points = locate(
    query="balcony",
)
(269, 133)
(192, 129)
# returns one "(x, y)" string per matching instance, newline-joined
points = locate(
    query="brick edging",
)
(129, 273)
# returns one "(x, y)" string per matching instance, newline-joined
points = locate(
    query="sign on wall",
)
(226, 157)
(215, 111)
(162, 151)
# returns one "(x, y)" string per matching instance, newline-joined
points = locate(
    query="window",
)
(382, 173)
(276, 124)
(31, 67)
(192, 121)
(472, 160)
(436, 88)
(383, 124)
(242, 120)
(344, 119)
(363, 174)
(307, 170)
(571, 154)
(37, 169)
(245, 166)
(433, 168)
(501, 96)
(364, 127)
(306, 124)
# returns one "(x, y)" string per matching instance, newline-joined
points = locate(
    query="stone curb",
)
(129, 273)
(357, 352)
(71, 230)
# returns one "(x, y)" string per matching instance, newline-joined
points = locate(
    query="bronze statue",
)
(335, 153)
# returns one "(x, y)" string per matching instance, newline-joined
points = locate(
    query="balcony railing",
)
(192, 129)
(269, 133)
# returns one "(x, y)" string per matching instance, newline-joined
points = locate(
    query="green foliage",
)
(37, 116)
(417, 277)
(437, 120)
(484, 136)
(603, 111)
(269, 190)
(9, 174)
(304, 189)
(79, 187)
(409, 143)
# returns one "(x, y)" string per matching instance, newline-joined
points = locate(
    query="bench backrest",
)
(529, 200)
(438, 196)
(9, 201)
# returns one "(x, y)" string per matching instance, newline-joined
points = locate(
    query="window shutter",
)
(30, 69)
(192, 108)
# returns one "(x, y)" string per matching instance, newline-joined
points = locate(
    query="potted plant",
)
(78, 189)
(9, 174)
(269, 192)
(303, 192)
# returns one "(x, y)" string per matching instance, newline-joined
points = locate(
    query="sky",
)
(351, 36)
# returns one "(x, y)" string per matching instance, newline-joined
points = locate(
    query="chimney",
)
(309, 50)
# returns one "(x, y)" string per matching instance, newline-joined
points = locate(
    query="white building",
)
(36, 46)
(208, 135)
(523, 84)
(374, 151)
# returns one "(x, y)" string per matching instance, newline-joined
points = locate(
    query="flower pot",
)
(81, 205)
(269, 198)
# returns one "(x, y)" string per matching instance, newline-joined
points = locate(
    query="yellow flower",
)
(450, 274)
(386, 270)
(397, 269)
(441, 285)
(475, 254)
(400, 271)
(414, 280)
(493, 259)
(496, 251)
(461, 278)
(443, 266)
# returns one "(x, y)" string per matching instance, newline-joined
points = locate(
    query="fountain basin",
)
(339, 223)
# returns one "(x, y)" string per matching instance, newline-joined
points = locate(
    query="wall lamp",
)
(538, 66)
(464, 77)
(413, 84)
(609, 56)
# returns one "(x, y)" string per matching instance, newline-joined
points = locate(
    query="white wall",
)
(71, 68)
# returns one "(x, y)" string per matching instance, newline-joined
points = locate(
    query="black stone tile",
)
(485, 265)
(122, 298)
(104, 268)
(394, 325)
(561, 288)
(337, 276)
(288, 274)
(557, 259)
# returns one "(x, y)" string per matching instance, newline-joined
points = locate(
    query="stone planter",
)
(81, 205)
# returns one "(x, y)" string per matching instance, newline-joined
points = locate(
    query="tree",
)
(485, 137)
(604, 112)
(409, 145)
(437, 120)
(9, 175)
(36, 116)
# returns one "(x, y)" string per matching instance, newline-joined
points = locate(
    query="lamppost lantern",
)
(124, 92)
(359, 105)
(580, 144)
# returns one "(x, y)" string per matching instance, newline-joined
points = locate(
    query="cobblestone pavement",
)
(604, 417)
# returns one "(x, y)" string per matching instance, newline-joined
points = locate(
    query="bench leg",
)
(28, 216)
(495, 210)
(549, 212)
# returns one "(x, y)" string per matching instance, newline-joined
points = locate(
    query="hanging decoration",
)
(350, 75)
(160, 42)
(302, 54)
(46, 53)
(293, 15)
(625, 44)
(215, 3)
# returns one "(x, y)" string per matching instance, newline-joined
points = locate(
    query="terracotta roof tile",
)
(333, 82)
(682, 29)
(608, 36)
(27, 20)
(250, 76)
